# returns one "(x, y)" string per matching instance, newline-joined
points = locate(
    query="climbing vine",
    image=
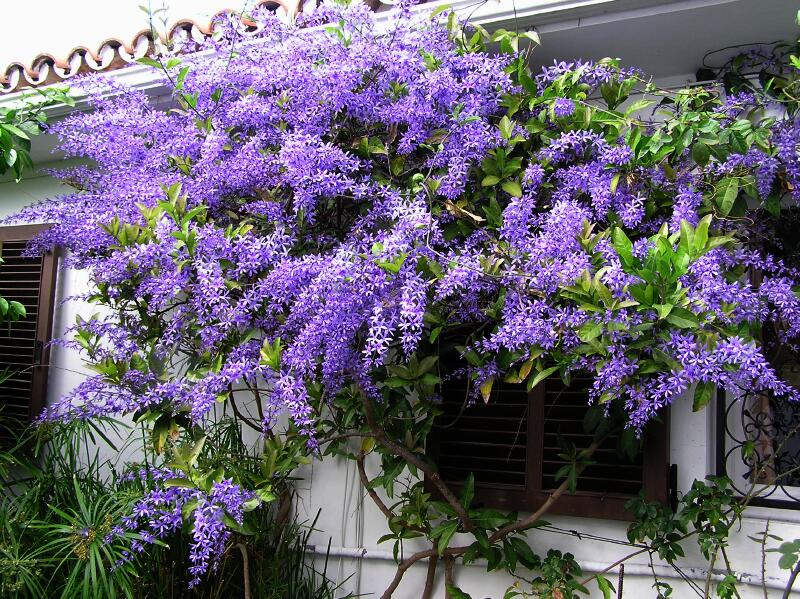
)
(333, 222)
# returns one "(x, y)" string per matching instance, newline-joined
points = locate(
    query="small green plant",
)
(61, 504)
(558, 579)
(23, 121)
(707, 513)
(80, 538)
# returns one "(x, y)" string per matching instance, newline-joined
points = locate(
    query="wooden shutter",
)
(490, 440)
(24, 343)
(510, 445)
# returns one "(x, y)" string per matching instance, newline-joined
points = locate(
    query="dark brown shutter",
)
(23, 344)
(510, 445)
(490, 440)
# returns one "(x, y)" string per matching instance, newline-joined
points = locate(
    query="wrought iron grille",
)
(758, 448)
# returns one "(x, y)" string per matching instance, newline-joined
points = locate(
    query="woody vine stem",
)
(334, 222)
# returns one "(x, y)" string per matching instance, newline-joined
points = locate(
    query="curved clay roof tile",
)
(113, 53)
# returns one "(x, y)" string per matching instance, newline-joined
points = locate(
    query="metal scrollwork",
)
(759, 448)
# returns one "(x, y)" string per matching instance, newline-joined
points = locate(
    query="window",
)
(510, 444)
(23, 344)
(758, 444)
(758, 436)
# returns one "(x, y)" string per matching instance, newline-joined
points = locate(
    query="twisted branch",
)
(411, 458)
(518, 526)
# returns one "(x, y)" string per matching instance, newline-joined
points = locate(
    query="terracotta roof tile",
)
(113, 53)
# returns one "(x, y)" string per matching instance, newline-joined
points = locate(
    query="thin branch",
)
(390, 515)
(449, 579)
(245, 570)
(518, 526)
(730, 569)
(411, 458)
(248, 421)
(535, 516)
(795, 571)
(430, 578)
(764, 561)
(710, 573)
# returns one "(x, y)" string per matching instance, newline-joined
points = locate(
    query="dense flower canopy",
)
(329, 200)
(328, 208)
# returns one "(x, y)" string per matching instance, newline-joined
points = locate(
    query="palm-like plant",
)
(21, 565)
(90, 561)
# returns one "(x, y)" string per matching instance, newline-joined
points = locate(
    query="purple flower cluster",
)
(160, 513)
(592, 74)
(273, 147)
(331, 192)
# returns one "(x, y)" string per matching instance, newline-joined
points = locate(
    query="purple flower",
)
(563, 107)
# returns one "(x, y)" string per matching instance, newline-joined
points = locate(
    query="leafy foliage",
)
(19, 123)
(338, 235)
(60, 507)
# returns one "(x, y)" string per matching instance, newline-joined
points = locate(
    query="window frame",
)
(45, 314)
(730, 427)
(591, 504)
(731, 434)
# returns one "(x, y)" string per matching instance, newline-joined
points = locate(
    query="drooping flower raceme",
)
(159, 514)
(321, 202)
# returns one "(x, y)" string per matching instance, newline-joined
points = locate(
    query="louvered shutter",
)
(490, 440)
(23, 344)
(510, 445)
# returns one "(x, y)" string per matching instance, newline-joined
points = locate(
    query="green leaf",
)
(787, 561)
(663, 310)
(726, 194)
(591, 330)
(506, 127)
(486, 389)
(703, 394)
(615, 182)
(11, 157)
(448, 530)
(524, 553)
(681, 320)
(605, 586)
(456, 593)
(637, 106)
(440, 10)
(15, 130)
(490, 180)
(701, 235)
(16, 310)
(242, 529)
(512, 188)
(468, 491)
(622, 245)
(773, 205)
(701, 153)
(540, 376)
(150, 62)
(266, 495)
(687, 235)
(184, 483)
(181, 78)
(532, 36)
